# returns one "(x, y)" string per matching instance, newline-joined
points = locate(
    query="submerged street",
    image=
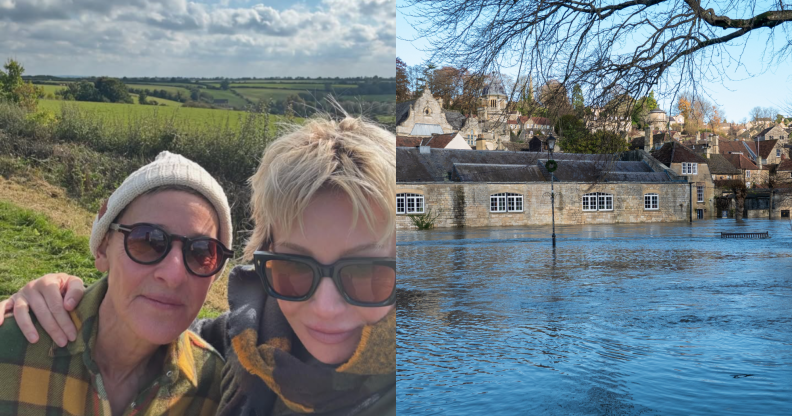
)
(619, 319)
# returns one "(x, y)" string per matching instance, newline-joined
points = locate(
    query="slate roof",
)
(785, 165)
(765, 147)
(455, 119)
(483, 172)
(725, 147)
(675, 152)
(436, 141)
(403, 111)
(741, 162)
(718, 165)
(447, 165)
(423, 129)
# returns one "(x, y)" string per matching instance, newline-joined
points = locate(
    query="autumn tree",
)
(402, 81)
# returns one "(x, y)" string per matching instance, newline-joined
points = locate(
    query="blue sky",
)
(203, 38)
(770, 89)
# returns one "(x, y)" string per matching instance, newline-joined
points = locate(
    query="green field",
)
(301, 87)
(170, 89)
(50, 89)
(158, 100)
(255, 94)
(233, 99)
(379, 97)
(131, 112)
(31, 246)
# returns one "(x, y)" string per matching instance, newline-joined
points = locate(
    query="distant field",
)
(233, 99)
(255, 94)
(169, 88)
(158, 100)
(50, 89)
(379, 97)
(305, 86)
(133, 112)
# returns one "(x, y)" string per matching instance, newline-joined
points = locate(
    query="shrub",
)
(424, 221)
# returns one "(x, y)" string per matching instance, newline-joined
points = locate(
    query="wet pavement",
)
(617, 320)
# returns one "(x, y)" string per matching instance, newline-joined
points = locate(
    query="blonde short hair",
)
(352, 156)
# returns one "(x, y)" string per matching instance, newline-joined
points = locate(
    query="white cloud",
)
(176, 37)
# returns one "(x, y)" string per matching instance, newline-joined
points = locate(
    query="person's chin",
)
(160, 327)
(332, 347)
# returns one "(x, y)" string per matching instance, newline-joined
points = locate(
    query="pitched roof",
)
(455, 119)
(718, 165)
(542, 121)
(423, 129)
(403, 111)
(765, 147)
(675, 152)
(443, 165)
(436, 141)
(785, 165)
(725, 147)
(741, 162)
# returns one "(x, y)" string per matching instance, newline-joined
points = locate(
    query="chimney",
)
(481, 144)
(715, 147)
(648, 139)
(698, 136)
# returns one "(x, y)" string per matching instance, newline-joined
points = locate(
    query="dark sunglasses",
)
(149, 244)
(365, 281)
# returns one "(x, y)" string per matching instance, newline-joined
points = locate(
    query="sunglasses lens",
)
(368, 283)
(204, 257)
(146, 244)
(289, 278)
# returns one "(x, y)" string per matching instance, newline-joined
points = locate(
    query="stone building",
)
(657, 119)
(686, 163)
(437, 141)
(423, 117)
(502, 188)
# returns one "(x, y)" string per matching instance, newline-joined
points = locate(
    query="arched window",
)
(651, 202)
(598, 201)
(506, 202)
(409, 204)
(427, 111)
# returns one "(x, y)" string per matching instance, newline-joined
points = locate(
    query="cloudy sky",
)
(230, 38)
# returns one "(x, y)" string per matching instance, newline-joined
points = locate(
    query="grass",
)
(113, 112)
(31, 246)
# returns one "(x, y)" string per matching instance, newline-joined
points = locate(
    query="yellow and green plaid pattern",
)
(44, 379)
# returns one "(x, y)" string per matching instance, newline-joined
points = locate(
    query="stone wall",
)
(468, 204)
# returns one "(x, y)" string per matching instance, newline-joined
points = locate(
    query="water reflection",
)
(618, 319)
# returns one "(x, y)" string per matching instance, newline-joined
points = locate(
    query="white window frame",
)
(408, 203)
(506, 202)
(699, 193)
(651, 202)
(778, 152)
(689, 168)
(747, 173)
(597, 201)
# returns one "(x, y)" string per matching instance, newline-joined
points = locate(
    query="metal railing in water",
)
(745, 235)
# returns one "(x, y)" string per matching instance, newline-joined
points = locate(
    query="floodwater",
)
(618, 320)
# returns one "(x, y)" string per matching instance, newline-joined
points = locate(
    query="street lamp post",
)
(551, 167)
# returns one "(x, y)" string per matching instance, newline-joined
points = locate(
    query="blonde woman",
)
(311, 326)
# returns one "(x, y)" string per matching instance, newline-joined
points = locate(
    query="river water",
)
(618, 320)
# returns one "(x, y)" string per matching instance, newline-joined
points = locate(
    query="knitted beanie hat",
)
(167, 169)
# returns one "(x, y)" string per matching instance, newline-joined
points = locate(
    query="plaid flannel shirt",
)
(44, 379)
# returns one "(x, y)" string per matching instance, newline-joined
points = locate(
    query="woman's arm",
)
(45, 298)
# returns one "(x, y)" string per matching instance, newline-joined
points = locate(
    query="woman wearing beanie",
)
(161, 238)
(312, 326)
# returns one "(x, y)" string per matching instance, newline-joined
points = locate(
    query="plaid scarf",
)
(262, 344)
